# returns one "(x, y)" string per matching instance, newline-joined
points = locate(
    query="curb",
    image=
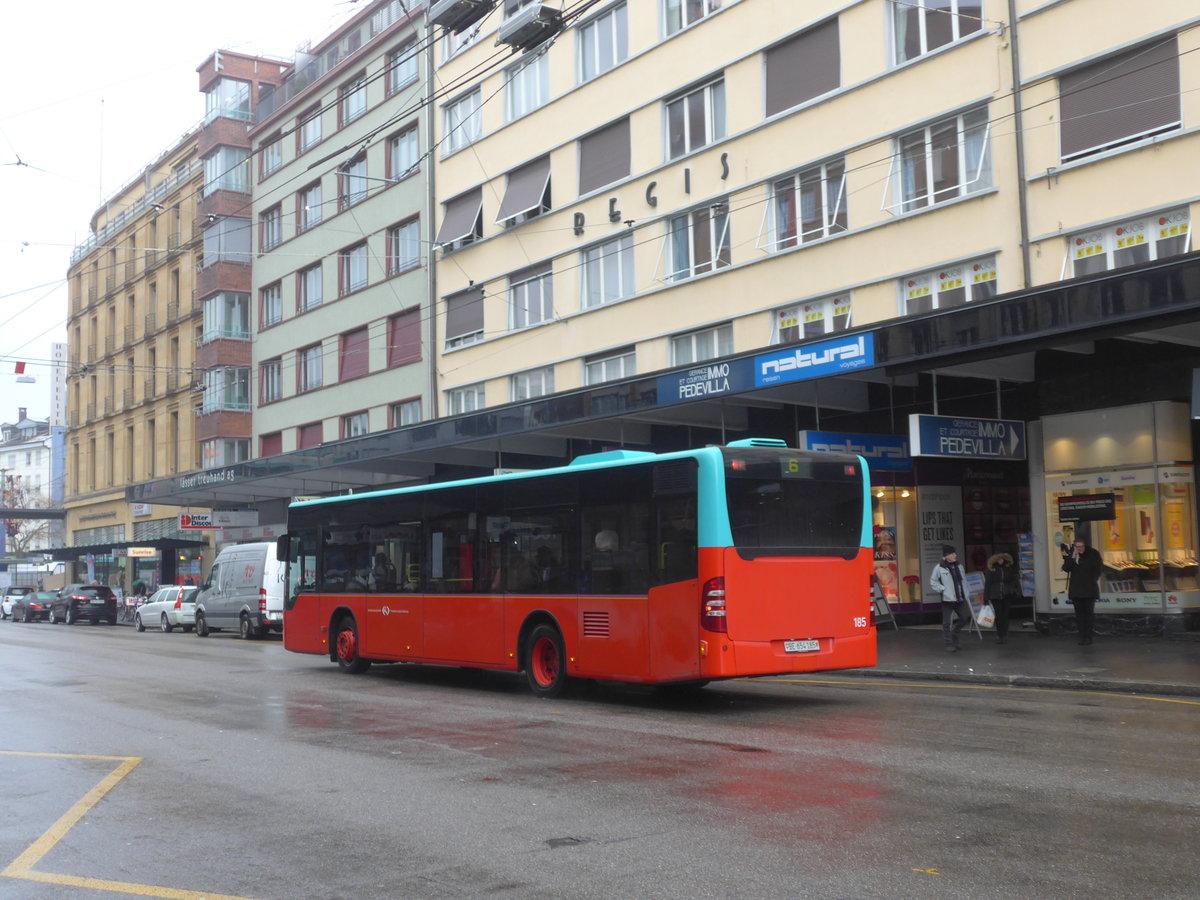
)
(1108, 685)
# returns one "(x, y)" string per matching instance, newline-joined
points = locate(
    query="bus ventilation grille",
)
(595, 624)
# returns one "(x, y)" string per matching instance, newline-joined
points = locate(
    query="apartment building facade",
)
(133, 323)
(340, 209)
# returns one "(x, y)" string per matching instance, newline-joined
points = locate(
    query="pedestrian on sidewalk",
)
(1083, 565)
(1001, 590)
(947, 579)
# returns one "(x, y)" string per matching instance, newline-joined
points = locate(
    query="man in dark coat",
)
(1083, 566)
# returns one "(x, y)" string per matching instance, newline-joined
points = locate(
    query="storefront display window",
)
(897, 556)
(1142, 522)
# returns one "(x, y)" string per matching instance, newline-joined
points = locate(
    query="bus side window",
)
(676, 540)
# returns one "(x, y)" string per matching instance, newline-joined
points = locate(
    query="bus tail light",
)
(712, 610)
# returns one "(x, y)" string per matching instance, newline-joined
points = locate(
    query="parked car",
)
(9, 597)
(169, 608)
(94, 602)
(33, 607)
(244, 590)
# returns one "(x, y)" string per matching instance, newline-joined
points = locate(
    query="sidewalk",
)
(1122, 663)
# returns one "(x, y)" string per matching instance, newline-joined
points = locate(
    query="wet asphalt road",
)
(265, 774)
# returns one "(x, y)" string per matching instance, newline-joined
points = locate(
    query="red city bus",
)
(672, 568)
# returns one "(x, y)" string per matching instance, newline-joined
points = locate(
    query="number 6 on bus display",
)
(671, 568)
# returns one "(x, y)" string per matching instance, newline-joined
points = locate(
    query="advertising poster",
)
(885, 563)
(940, 522)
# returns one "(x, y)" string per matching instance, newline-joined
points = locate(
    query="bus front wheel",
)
(545, 661)
(346, 648)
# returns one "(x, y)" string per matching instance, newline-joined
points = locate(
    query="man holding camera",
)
(1083, 565)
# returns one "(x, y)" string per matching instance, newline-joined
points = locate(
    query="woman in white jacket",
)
(947, 579)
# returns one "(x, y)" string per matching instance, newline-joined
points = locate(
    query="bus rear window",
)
(789, 503)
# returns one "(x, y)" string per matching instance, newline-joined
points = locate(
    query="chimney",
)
(21, 410)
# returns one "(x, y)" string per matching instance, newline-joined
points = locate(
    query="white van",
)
(244, 590)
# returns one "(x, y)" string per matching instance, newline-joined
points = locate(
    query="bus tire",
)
(345, 647)
(201, 625)
(545, 661)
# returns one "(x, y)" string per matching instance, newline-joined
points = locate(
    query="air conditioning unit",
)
(459, 15)
(530, 27)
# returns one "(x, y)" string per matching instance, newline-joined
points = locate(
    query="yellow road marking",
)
(928, 871)
(22, 866)
(942, 685)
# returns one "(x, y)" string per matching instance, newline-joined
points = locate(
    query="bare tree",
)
(26, 535)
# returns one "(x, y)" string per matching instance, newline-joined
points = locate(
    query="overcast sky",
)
(89, 94)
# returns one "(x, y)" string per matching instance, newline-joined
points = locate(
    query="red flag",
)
(20, 368)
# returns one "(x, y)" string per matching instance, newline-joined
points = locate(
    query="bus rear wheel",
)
(346, 648)
(545, 661)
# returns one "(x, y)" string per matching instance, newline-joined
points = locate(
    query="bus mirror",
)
(281, 547)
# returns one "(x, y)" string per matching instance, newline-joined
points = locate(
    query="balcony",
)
(173, 242)
(149, 391)
(91, 294)
(110, 345)
(90, 357)
(172, 312)
(110, 283)
(109, 406)
(130, 335)
(127, 398)
(130, 271)
(151, 322)
(150, 260)
(73, 419)
(90, 413)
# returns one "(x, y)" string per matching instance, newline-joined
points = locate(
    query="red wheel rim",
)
(545, 661)
(347, 645)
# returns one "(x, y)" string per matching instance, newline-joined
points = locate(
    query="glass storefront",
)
(1143, 523)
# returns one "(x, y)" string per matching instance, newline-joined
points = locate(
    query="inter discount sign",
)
(958, 438)
(195, 521)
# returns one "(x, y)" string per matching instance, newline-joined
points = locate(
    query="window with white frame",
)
(530, 297)
(353, 182)
(402, 67)
(610, 366)
(402, 153)
(227, 388)
(698, 242)
(526, 87)
(354, 99)
(948, 286)
(695, 119)
(310, 129)
(227, 169)
(811, 319)
(352, 265)
(272, 156)
(223, 452)
(227, 315)
(603, 42)
(697, 346)
(309, 212)
(355, 425)
(463, 121)
(308, 288)
(270, 228)
(309, 366)
(270, 304)
(403, 246)
(228, 98)
(608, 271)
(534, 383)
(464, 399)
(464, 317)
(919, 26)
(680, 14)
(406, 412)
(270, 381)
(1129, 243)
(809, 205)
(943, 161)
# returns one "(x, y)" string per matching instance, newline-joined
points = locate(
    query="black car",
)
(95, 602)
(33, 607)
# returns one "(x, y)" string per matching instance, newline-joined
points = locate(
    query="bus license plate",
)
(801, 646)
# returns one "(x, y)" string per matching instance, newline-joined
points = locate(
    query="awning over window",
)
(604, 156)
(66, 554)
(526, 187)
(459, 217)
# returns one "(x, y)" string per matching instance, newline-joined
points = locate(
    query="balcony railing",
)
(130, 334)
(110, 344)
(172, 311)
(150, 259)
(173, 242)
(149, 387)
(73, 419)
(91, 354)
(90, 412)
(127, 398)
(130, 271)
(110, 282)
(109, 406)
(151, 322)
(91, 294)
